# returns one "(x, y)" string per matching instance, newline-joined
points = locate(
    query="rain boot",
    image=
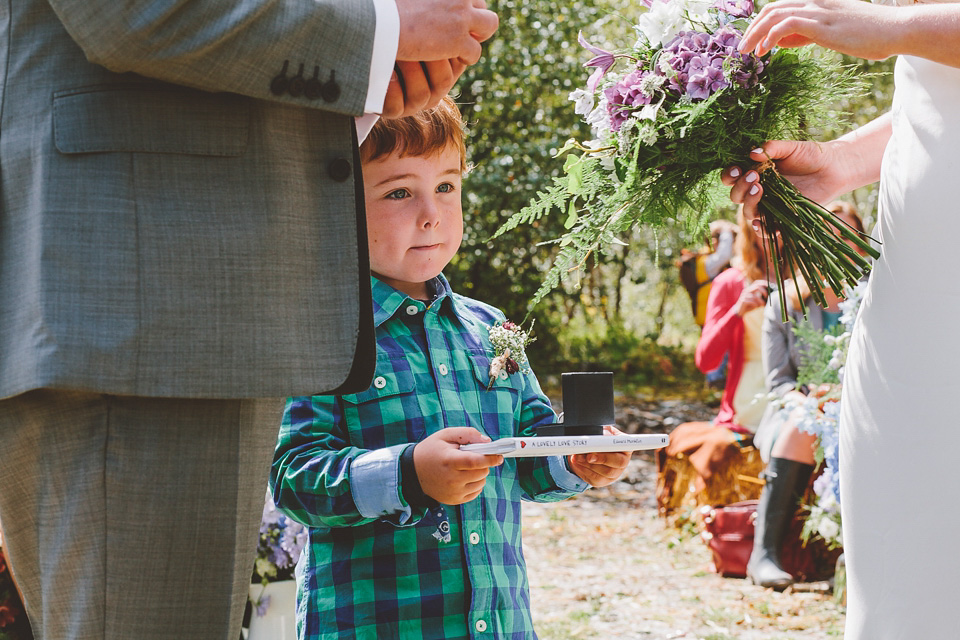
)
(786, 481)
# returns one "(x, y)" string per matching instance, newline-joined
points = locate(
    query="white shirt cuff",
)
(565, 478)
(386, 40)
(375, 483)
(364, 125)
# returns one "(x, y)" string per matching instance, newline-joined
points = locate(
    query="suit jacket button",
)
(279, 84)
(339, 169)
(313, 87)
(296, 84)
(330, 91)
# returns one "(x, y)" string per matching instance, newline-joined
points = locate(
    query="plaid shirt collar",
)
(387, 300)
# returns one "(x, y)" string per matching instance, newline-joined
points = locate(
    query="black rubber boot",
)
(786, 481)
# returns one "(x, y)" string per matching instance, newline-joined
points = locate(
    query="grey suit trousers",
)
(124, 492)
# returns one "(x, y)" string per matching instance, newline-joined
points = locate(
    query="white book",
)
(564, 445)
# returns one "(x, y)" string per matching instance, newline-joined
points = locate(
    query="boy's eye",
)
(398, 194)
(446, 187)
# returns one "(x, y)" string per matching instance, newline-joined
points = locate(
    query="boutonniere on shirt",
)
(509, 349)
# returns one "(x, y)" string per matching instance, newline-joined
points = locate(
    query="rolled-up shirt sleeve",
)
(376, 484)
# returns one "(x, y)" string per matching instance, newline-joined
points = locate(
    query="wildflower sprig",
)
(670, 111)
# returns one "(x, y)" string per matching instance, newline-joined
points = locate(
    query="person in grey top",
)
(788, 452)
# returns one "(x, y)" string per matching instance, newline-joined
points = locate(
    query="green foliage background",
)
(627, 312)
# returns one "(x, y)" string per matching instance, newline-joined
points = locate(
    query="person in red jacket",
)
(733, 327)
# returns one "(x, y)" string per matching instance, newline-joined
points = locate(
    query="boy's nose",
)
(429, 214)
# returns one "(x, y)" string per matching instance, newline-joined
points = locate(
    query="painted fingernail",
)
(757, 150)
(752, 176)
(735, 172)
(754, 189)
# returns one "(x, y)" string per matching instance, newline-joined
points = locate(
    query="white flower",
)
(647, 133)
(599, 118)
(662, 22)
(584, 101)
(828, 529)
(651, 82)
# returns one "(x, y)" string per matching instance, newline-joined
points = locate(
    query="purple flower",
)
(626, 96)
(725, 41)
(281, 541)
(746, 69)
(707, 81)
(261, 607)
(602, 60)
(736, 8)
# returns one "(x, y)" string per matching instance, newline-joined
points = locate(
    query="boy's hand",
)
(447, 474)
(601, 469)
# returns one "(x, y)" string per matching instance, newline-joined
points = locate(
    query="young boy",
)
(410, 537)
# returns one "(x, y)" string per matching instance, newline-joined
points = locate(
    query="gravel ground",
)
(605, 565)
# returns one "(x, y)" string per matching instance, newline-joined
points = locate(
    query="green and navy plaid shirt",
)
(376, 567)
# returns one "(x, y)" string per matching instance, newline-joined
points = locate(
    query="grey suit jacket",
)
(181, 211)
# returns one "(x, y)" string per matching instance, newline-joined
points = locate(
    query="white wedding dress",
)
(900, 422)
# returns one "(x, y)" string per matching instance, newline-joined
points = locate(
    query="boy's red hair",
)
(425, 133)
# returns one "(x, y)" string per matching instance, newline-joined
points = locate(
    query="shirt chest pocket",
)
(497, 401)
(386, 414)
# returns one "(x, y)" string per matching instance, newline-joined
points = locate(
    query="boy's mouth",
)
(426, 247)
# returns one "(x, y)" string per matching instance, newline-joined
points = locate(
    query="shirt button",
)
(503, 375)
(380, 382)
(412, 310)
(474, 538)
(481, 626)
(442, 369)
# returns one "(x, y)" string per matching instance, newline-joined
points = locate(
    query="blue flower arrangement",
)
(281, 542)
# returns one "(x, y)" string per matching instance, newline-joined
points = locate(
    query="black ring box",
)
(587, 404)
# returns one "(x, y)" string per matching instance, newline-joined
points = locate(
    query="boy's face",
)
(414, 217)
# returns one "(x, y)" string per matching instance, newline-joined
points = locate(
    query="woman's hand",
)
(753, 296)
(809, 166)
(853, 27)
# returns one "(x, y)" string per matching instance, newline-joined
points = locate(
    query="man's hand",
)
(601, 469)
(444, 29)
(447, 474)
(415, 86)
(438, 40)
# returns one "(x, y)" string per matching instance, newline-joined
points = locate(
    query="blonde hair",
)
(748, 252)
(424, 133)
(839, 208)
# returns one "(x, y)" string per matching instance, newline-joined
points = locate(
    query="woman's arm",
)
(778, 363)
(858, 28)
(721, 320)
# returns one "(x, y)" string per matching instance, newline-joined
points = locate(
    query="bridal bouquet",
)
(668, 113)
